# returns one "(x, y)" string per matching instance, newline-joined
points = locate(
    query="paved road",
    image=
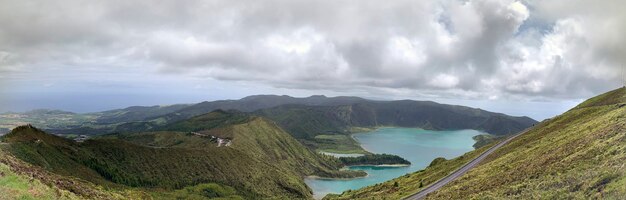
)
(459, 172)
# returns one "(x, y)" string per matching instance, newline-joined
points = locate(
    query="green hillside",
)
(313, 125)
(262, 162)
(304, 118)
(306, 122)
(21, 180)
(577, 155)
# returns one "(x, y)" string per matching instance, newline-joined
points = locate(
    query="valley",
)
(242, 149)
(312, 100)
(265, 155)
(576, 155)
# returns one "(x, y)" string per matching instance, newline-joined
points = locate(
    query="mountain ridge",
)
(262, 162)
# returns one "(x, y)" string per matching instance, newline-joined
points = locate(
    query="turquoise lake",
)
(418, 146)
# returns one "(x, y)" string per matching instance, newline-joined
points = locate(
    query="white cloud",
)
(461, 49)
(444, 81)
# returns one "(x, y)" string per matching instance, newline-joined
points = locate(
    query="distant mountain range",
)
(259, 151)
(303, 118)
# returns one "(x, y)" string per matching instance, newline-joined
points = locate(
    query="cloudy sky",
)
(534, 58)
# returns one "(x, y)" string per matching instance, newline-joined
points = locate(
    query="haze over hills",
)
(577, 155)
(180, 149)
(176, 147)
(262, 160)
(307, 99)
(172, 113)
(303, 118)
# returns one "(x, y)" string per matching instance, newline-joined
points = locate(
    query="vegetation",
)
(15, 186)
(135, 113)
(262, 162)
(577, 155)
(485, 139)
(20, 180)
(375, 159)
(400, 187)
(201, 191)
(343, 144)
(161, 151)
(305, 122)
(215, 119)
(48, 119)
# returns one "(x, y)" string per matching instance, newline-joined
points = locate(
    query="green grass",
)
(20, 180)
(164, 139)
(15, 186)
(617, 96)
(201, 191)
(44, 119)
(343, 144)
(262, 162)
(577, 155)
(410, 183)
(374, 159)
(209, 121)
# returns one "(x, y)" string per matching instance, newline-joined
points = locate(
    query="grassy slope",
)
(108, 160)
(20, 180)
(18, 186)
(410, 183)
(263, 161)
(306, 123)
(262, 139)
(336, 144)
(579, 154)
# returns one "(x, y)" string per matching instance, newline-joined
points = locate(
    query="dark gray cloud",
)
(468, 49)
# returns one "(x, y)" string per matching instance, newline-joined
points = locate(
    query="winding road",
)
(459, 172)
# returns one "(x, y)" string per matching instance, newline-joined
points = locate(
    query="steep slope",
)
(16, 185)
(21, 180)
(252, 103)
(305, 122)
(577, 155)
(262, 162)
(329, 115)
(135, 113)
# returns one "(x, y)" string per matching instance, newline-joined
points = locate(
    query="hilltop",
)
(107, 121)
(579, 154)
(321, 127)
(321, 123)
(263, 161)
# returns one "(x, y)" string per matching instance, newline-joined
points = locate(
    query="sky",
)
(536, 58)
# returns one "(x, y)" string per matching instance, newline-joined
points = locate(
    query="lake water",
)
(418, 146)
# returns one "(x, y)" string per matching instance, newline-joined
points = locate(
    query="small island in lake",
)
(374, 159)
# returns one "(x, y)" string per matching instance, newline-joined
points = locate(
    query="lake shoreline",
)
(314, 177)
(383, 165)
(417, 145)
